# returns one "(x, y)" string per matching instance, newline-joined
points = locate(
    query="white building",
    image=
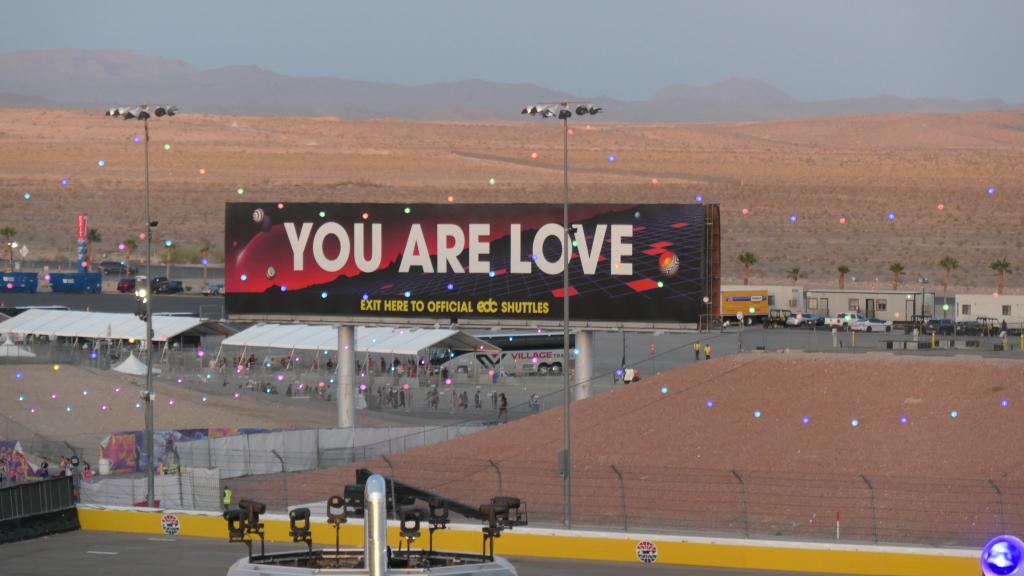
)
(1008, 307)
(895, 305)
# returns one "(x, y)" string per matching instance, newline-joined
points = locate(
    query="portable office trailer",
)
(1009, 307)
(895, 305)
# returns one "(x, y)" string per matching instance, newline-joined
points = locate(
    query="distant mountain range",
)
(69, 78)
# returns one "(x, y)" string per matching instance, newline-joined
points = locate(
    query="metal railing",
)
(34, 498)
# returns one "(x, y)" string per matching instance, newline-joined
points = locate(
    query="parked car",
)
(169, 287)
(807, 320)
(871, 325)
(213, 290)
(940, 326)
(111, 267)
(845, 320)
(126, 285)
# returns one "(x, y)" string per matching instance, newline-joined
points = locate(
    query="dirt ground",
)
(87, 390)
(719, 468)
(821, 170)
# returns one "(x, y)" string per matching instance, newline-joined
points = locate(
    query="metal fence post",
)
(394, 501)
(743, 500)
(874, 516)
(622, 498)
(284, 477)
(999, 499)
(498, 470)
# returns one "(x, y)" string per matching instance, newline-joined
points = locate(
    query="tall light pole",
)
(563, 111)
(143, 294)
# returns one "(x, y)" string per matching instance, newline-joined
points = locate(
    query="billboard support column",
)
(346, 376)
(584, 355)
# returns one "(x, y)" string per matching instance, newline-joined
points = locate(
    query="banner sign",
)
(629, 262)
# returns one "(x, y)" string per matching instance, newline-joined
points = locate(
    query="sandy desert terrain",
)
(930, 472)
(821, 170)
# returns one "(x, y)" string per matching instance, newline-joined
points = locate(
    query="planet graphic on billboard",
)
(668, 263)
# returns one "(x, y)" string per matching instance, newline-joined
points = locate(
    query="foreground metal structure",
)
(375, 558)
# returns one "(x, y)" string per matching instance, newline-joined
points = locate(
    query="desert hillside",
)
(820, 170)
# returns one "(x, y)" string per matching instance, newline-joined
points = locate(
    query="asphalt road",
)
(115, 554)
(209, 306)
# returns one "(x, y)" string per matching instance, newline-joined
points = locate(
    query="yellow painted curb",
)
(785, 557)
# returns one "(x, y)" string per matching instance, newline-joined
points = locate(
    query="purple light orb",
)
(612, 158)
(121, 246)
(903, 420)
(17, 375)
(792, 218)
(891, 216)
(991, 191)
(451, 286)
(366, 296)
(64, 182)
(136, 139)
(710, 403)
(1002, 556)
(1004, 403)
(699, 198)
(805, 420)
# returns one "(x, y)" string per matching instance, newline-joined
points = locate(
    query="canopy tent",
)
(107, 325)
(377, 340)
(132, 365)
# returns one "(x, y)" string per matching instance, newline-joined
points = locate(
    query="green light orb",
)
(492, 181)
(407, 210)
(167, 146)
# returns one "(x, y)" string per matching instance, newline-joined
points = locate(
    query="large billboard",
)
(477, 264)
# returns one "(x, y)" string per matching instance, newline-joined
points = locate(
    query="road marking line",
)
(162, 539)
(105, 553)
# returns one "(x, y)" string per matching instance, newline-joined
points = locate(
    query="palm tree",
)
(93, 237)
(747, 259)
(793, 274)
(9, 233)
(843, 271)
(897, 271)
(948, 263)
(1002, 268)
(129, 248)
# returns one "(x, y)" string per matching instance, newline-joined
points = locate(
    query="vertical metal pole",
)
(566, 251)
(150, 457)
(346, 376)
(584, 363)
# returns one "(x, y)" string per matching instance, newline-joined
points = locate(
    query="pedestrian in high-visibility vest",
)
(707, 351)
(227, 498)
(696, 350)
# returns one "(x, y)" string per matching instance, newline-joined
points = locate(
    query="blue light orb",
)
(991, 191)
(1002, 556)
(407, 294)
(710, 403)
(618, 371)
(366, 296)
(205, 262)
(757, 413)
(27, 195)
(954, 414)
(21, 397)
(664, 389)
(792, 218)
(205, 398)
(891, 216)
(244, 277)
(92, 355)
(101, 163)
(854, 422)
(323, 295)
(491, 274)
(451, 286)
(17, 375)
(168, 243)
(67, 408)
(284, 288)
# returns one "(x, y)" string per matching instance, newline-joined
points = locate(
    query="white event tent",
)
(105, 326)
(369, 340)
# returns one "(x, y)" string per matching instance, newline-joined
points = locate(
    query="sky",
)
(812, 49)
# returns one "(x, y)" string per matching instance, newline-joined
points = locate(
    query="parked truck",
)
(844, 321)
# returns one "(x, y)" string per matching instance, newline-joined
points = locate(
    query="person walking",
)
(707, 351)
(227, 498)
(476, 399)
(502, 407)
(696, 350)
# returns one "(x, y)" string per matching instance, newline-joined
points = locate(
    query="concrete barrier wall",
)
(579, 545)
